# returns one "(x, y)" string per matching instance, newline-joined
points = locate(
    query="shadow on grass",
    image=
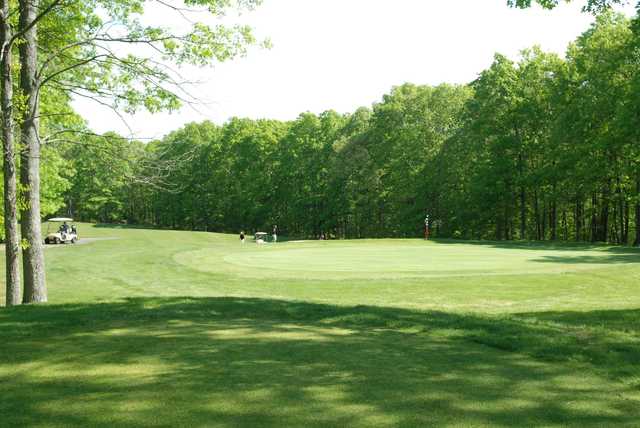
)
(587, 259)
(547, 245)
(259, 362)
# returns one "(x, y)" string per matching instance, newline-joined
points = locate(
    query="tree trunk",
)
(553, 216)
(604, 217)
(578, 219)
(12, 239)
(623, 213)
(594, 217)
(614, 233)
(35, 287)
(523, 199)
(537, 215)
(544, 221)
(625, 236)
(636, 241)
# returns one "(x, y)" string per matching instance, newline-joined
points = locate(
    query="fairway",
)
(160, 328)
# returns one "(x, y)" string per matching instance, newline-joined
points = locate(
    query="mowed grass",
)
(159, 328)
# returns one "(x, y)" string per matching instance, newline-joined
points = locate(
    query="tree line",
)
(545, 148)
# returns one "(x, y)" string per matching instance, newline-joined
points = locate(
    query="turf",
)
(159, 328)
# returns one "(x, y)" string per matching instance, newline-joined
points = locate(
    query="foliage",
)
(590, 6)
(106, 51)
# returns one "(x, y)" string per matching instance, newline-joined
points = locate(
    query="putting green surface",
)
(392, 258)
(160, 328)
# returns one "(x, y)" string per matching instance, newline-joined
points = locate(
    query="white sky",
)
(343, 54)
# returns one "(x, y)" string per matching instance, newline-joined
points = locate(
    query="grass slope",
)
(192, 329)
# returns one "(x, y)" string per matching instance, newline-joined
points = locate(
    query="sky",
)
(344, 54)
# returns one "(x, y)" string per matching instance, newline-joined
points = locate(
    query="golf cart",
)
(63, 234)
(260, 237)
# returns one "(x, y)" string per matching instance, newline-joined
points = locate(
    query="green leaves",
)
(593, 6)
(106, 51)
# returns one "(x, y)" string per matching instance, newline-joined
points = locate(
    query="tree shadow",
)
(261, 362)
(587, 259)
(547, 246)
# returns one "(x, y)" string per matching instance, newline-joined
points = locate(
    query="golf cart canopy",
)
(60, 219)
(261, 234)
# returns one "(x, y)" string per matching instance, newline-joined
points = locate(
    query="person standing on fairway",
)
(426, 228)
(275, 233)
(242, 237)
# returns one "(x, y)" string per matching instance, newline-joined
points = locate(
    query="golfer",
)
(275, 233)
(242, 237)
(426, 228)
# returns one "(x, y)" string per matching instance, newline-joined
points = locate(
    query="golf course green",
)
(390, 258)
(165, 328)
